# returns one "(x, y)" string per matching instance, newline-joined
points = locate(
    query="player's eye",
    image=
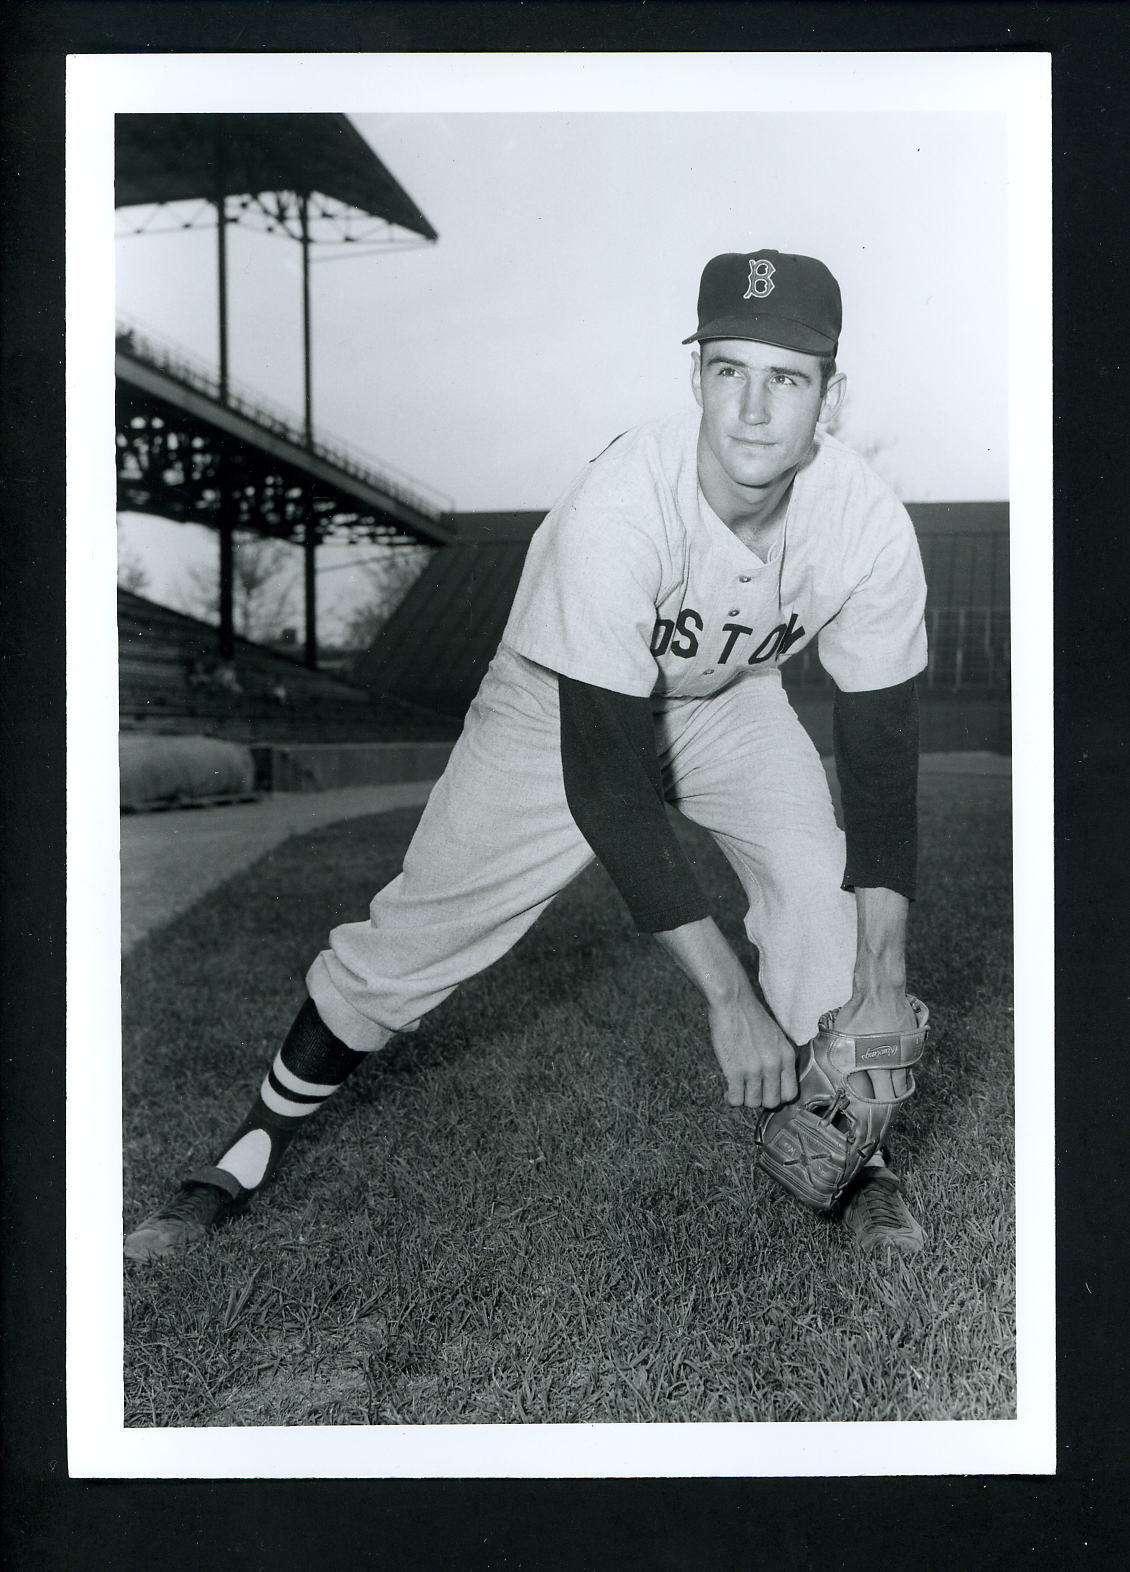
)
(782, 380)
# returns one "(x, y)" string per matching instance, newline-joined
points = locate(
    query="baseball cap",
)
(772, 296)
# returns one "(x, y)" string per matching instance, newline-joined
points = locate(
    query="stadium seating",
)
(172, 682)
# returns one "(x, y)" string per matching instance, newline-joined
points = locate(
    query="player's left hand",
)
(876, 1010)
(879, 1010)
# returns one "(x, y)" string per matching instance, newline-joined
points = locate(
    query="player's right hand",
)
(757, 1060)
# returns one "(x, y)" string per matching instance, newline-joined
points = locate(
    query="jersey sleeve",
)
(614, 789)
(877, 639)
(586, 603)
(875, 737)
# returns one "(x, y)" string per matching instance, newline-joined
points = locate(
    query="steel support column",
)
(225, 519)
(310, 539)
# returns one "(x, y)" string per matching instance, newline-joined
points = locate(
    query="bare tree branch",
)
(389, 576)
(264, 589)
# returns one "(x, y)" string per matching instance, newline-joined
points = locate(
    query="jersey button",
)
(734, 612)
(744, 578)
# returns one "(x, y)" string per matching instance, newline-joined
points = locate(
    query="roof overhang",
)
(182, 157)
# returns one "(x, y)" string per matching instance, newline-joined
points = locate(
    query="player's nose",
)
(755, 405)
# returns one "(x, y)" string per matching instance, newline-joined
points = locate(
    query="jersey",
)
(633, 583)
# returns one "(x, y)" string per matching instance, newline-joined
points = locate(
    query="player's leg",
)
(495, 844)
(309, 1067)
(743, 767)
(767, 802)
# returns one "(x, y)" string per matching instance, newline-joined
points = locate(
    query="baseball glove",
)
(816, 1145)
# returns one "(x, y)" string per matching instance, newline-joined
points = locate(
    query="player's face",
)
(760, 408)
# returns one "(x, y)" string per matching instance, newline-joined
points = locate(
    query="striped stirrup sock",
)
(309, 1067)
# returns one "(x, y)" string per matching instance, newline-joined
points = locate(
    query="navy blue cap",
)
(771, 296)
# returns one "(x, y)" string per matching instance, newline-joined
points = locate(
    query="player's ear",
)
(834, 395)
(696, 376)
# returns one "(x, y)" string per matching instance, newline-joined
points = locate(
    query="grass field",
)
(538, 1207)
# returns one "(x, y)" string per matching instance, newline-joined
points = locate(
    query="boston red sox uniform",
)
(633, 584)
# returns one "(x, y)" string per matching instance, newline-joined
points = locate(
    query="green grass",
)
(538, 1208)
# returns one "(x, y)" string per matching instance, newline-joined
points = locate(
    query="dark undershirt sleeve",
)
(875, 735)
(614, 789)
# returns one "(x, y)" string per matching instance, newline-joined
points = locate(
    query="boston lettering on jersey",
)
(686, 635)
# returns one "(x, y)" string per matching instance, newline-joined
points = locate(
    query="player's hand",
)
(880, 1010)
(756, 1058)
(876, 1010)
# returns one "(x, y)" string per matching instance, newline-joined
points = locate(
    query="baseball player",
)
(641, 668)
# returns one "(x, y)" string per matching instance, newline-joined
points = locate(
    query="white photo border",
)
(1016, 85)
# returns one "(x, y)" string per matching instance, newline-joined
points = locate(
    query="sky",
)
(548, 316)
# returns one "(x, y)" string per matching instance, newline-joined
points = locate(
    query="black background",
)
(1075, 1519)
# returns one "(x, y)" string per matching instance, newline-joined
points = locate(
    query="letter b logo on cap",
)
(761, 272)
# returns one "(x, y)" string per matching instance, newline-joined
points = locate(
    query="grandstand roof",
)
(177, 157)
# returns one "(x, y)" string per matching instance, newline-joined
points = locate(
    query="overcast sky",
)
(548, 316)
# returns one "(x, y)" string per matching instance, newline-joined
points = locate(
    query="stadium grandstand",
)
(435, 648)
(195, 446)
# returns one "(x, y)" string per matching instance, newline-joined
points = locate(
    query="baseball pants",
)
(497, 842)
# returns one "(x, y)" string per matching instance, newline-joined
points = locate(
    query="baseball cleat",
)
(876, 1214)
(192, 1211)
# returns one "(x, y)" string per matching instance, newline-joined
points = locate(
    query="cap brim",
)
(768, 330)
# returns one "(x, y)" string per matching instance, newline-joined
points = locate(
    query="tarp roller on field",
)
(156, 771)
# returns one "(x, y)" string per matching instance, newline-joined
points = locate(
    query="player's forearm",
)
(614, 789)
(701, 951)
